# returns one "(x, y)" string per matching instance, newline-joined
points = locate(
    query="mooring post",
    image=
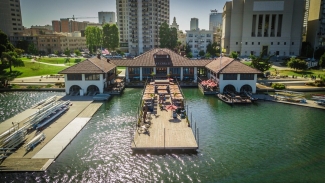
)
(198, 139)
(164, 138)
(195, 130)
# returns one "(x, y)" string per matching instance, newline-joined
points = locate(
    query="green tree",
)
(207, 55)
(94, 37)
(22, 44)
(56, 52)
(19, 51)
(321, 62)
(212, 49)
(77, 52)
(297, 64)
(234, 55)
(32, 49)
(111, 39)
(189, 55)
(188, 48)
(167, 36)
(10, 59)
(67, 52)
(260, 63)
(5, 45)
(201, 53)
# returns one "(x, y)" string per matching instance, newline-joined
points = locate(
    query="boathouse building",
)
(89, 77)
(95, 74)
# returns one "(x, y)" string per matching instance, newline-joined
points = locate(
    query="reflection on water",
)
(267, 142)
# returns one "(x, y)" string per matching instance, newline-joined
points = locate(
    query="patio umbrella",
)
(171, 79)
(204, 83)
(171, 107)
(162, 91)
(212, 84)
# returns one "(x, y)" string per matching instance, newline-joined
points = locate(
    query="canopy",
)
(162, 91)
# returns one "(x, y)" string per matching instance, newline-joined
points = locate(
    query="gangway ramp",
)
(62, 139)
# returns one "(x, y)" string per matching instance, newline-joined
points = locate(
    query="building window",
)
(245, 43)
(278, 43)
(258, 43)
(246, 76)
(188, 70)
(292, 43)
(92, 77)
(74, 77)
(252, 43)
(229, 76)
(236, 43)
(271, 43)
(133, 70)
(285, 43)
(175, 71)
(147, 71)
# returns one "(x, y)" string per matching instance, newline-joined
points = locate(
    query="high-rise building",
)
(194, 24)
(215, 21)
(106, 17)
(10, 17)
(56, 25)
(138, 22)
(263, 27)
(174, 24)
(67, 25)
(198, 40)
(316, 23)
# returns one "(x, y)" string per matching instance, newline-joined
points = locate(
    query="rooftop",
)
(226, 65)
(90, 66)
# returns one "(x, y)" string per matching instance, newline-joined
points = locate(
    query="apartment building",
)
(67, 25)
(263, 27)
(49, 43)
(198, 40)
(138, 22)
(10, 17)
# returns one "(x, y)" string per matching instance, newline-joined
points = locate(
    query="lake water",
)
(263, 142)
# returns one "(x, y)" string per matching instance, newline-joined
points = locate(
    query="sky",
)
(42, 12)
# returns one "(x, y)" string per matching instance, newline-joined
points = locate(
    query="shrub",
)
(278, 86)
(48, 86)
(14, 86)
(77, 60)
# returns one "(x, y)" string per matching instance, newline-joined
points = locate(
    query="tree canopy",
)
(213, 49)
(111, 39)
(11, 59)
(5, 44)
(260, 63)
(234, 55)
(297, 64)
(201, 53)
(167, 36)
(321, 62)
(94, 37)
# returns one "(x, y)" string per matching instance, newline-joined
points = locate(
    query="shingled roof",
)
(229, 65)
(147, 59)
(90, 66)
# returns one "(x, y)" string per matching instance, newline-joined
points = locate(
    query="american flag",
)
(105, 51)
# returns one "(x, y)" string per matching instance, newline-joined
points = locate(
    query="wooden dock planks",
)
(165, 133)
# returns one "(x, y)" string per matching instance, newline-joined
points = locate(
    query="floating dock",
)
(163, 130)
(59, 134)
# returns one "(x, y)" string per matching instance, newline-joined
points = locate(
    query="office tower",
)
(263, 27)
(194, 24)
(316, 23)
(106, 17)
(215, 21)
(139, 21)
(10, 17)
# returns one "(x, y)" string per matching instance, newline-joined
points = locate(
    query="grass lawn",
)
(54, 60)
(120, 68)
(37, 69)
(299, 72)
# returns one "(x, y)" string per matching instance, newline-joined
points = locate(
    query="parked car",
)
(52, 55)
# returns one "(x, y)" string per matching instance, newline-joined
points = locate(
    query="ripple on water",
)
(267, 142)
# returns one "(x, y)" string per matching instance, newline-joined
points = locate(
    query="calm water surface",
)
(264, 142)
